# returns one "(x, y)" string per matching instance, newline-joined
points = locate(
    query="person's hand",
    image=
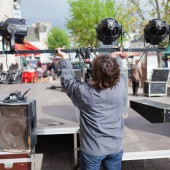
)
(120, 54)
(61, 54)
(123, 54)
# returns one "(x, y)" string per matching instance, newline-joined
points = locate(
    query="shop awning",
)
(26, 46)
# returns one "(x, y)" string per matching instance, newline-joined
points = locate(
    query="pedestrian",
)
(136, 76)
(100, 102)
(44, 70)
(38, 64)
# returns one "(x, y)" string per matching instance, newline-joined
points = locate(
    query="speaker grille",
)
(14, 134)
(14, 127)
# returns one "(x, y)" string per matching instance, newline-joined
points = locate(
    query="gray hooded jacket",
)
(101, 112)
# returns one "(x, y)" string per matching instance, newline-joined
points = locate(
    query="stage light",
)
(13, 30)
(108, 31)
(156, 31)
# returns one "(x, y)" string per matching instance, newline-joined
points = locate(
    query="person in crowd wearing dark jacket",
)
(101, 103)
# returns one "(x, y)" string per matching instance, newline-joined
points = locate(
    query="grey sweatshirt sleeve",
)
(119, 61)
(70, 83)
(124, 75)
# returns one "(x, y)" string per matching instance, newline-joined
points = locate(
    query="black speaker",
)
(18, 126)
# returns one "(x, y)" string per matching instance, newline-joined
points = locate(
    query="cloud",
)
(53, 11)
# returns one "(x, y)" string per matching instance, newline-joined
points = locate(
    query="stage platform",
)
(57, 115)
(55, 111)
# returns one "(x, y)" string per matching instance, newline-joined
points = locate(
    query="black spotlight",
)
(13, 30)
(156, 31)
(108, 31)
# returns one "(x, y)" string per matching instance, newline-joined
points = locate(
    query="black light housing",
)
(108, 31)
(156, 31)
(14, 31)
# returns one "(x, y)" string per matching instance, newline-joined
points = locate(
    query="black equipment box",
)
(155, 112)
(155, 88)
(160, 75)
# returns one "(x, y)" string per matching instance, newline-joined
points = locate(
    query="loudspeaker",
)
(18, 126)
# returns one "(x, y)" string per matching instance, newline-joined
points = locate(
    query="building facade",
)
(7, 8)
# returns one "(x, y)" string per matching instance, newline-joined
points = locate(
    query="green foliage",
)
(57, 38)
(148, 11)
(85, 16)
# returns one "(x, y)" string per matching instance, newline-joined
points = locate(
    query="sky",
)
(53, 11)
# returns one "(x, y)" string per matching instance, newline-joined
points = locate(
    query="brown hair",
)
(106, 72)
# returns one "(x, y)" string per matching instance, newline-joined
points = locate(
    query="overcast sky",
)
(53, 11)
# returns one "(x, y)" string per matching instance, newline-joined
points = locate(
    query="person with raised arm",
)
(101, 103)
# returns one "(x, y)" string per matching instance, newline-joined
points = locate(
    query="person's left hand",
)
(61, 54)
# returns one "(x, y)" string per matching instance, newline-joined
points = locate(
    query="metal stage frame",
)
(89, 49)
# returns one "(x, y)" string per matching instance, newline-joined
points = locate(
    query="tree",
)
(87, 14)
(150, 10)
(57, 38)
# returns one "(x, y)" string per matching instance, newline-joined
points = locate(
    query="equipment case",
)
(15, 161)
(157, 86)
(155, 112)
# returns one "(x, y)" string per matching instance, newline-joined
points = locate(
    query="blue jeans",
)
(109, 162)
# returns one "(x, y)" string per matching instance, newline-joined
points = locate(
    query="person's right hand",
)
(61, 54)
(120, 54)
(123, 54)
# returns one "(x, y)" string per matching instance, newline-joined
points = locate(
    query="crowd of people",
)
(43, 69)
